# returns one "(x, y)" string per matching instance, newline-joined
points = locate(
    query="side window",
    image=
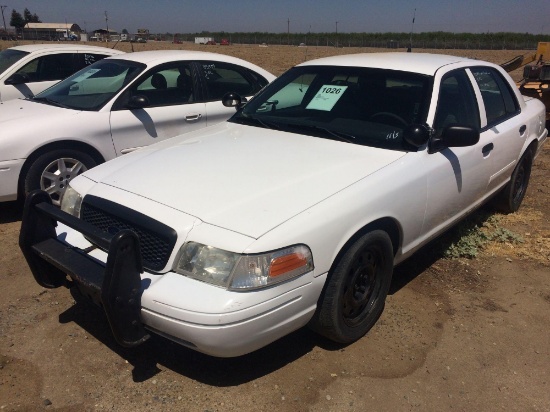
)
(167, 86)
(31, 70)
(456, 104)
(221, 78)
(85, 59)
(50, 67)
(260, 80)
(500, 102)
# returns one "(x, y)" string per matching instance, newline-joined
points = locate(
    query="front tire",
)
(356, 291)
(52, 172)
(510, 198)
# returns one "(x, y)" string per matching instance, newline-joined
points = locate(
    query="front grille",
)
(156, 239)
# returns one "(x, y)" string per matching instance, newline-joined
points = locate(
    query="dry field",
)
(457, 334)
(278, 59)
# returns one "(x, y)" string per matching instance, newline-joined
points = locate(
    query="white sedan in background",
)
(111, 108)
(30, 69)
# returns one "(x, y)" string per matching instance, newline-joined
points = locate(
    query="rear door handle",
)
(487, 149)
(522, 130)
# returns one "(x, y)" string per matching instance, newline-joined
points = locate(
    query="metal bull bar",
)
(115, 285)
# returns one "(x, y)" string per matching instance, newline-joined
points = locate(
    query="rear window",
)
(221, 78)
(9, 57)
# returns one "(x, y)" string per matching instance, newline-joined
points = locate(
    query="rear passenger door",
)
(219, 78)
(501, 126)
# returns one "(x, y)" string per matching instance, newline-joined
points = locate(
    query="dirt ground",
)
(457, 334)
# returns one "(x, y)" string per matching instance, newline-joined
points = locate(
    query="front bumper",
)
(203, 317)
(9, 178)
(115, 286)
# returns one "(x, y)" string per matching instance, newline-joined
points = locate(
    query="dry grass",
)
(532, 226)
(278, 59)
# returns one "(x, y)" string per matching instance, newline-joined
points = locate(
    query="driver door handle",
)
(193, 117)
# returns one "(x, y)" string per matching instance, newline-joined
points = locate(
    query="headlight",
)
(240, 272)
(71, 201)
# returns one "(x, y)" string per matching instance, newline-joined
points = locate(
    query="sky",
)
(297, 16)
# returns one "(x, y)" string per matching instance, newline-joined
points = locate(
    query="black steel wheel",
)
(510, 198)
(356, 289)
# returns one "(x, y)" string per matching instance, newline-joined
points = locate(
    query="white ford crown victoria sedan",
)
(28, 70)
(294, 211)
(111, 108)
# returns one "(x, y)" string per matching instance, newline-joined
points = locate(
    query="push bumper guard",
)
(114, 286)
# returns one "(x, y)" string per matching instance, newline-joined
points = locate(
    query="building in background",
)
(105, 35)
(51, 31)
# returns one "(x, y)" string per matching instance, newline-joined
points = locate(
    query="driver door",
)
(172, 108)
(457, 177)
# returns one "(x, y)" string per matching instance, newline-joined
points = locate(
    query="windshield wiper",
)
(344, 137)
(339, 135)
(49, 101)
(258, 121)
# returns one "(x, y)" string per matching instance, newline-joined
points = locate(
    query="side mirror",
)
(416, 135)
(459, 136)
(233, 100)
(17, 78)
(137, 102)
(455, 136)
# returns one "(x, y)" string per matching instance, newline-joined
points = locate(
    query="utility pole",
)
(411, 37)
(107, 24)
(3, 19)
(288, 31)
(336, 34)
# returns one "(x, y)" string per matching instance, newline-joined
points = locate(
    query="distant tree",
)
(124, 31)
(17, 20)
(29, 17)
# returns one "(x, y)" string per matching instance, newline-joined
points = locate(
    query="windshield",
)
(357, 105)
(8, 57)
(92, 87)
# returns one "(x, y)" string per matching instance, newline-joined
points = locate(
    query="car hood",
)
(242, 178)
(14, 110)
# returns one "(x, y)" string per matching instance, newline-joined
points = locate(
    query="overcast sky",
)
(188, 16)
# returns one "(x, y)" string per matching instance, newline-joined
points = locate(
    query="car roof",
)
(155, 57)
(30, 48)
(423, 63)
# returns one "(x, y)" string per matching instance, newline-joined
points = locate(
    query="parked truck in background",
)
(204, 40)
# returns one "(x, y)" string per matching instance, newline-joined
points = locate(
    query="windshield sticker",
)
(326, 97)
(85, 75)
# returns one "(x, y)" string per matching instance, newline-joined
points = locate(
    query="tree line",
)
(439, 39)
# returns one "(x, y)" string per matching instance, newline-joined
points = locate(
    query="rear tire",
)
(356, 289)
(510, 198)
(52, 172)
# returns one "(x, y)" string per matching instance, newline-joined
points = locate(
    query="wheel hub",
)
(56, 177)
(360, 288)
